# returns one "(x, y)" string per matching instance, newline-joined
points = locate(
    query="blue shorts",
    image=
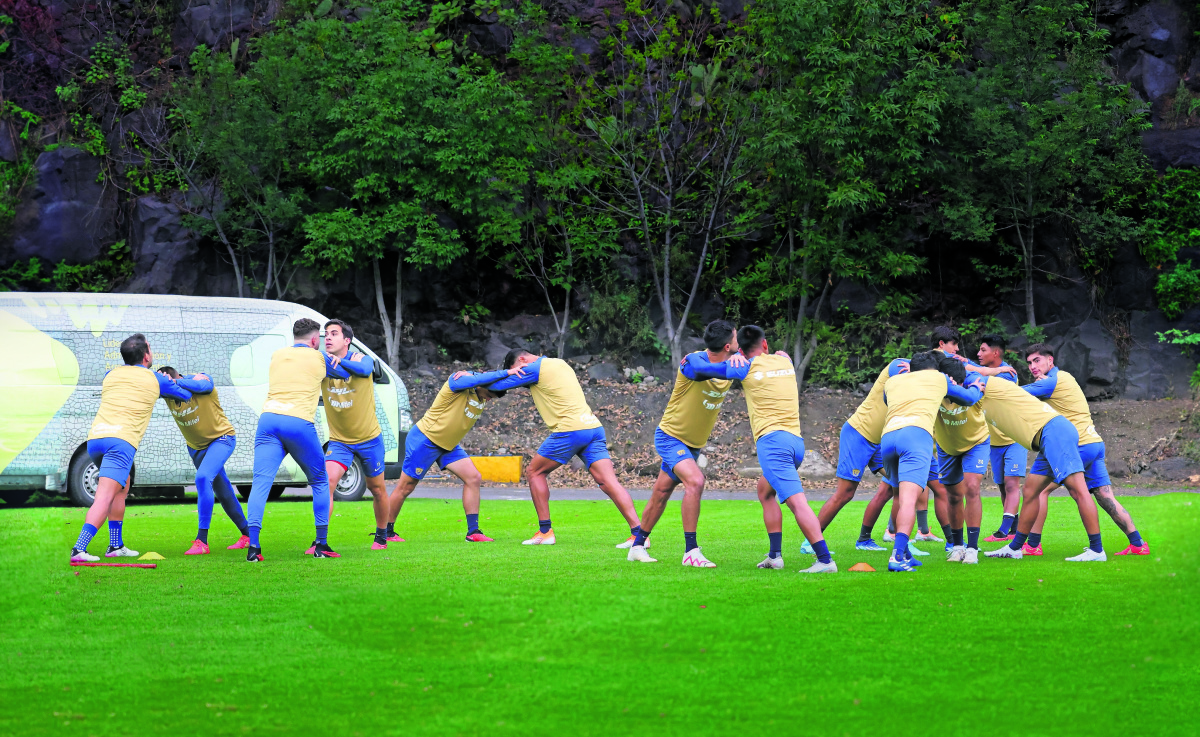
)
(589, 445)
(113, 456)
(672, 450)
(420, 454)
(974, 460)
(935, 469)
(908, 456)
(1008, 460)
(856, 454)
(780, 454)
(1059, 457)
(371, 453)
(1095, 470)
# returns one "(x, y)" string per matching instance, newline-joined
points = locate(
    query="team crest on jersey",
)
(758, 375)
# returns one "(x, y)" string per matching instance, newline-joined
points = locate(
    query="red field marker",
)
(114, 565)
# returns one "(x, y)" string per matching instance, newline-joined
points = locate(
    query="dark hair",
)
(943, 334)
(511, 357)
(133, 349)
(953, 368)
(995, 340)
(923, 361)
(305, 327)
(716, 335)
(346, 329)
(168, 371)
(1043, 348)
(750, 336)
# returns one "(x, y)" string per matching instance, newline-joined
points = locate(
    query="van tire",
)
(277, 490)
(82, 472)
(353, 485)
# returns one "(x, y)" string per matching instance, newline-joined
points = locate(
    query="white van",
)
(59, 346)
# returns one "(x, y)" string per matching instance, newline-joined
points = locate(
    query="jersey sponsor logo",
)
(714, 395)
(758, 375)
(104, 427)
(475, 404)
(335, 404)
(189, 423)
(711, 405)
(773, 374)
(340, 390)
(588, 417)
(185, 412)
(470, 415)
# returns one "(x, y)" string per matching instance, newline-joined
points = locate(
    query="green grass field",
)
(439, 637)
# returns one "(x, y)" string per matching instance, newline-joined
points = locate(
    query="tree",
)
(1046, 132)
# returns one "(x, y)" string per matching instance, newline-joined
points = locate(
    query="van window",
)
(97, 355)
(249, 364)
(216, 354)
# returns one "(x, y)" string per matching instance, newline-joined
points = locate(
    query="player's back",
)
(451, 416)
(1069, 401)
(350, 408)
(871, 414)
(295, 382)
(559, 397)
(772, 397)
(913, 400)
(693, 408)
(959, 428)
(127, 397)
(1016, 412)
(201, 419)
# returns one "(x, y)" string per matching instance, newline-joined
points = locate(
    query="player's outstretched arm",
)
(966, 395)
(464, 380)
(358, 364)
(697, 367)
(169, 389)
(1043, 387)
(332, 368)
(196, 383)
(525, 376)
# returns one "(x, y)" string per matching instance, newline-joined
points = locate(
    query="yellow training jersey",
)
(451, 416)
(693, 408)
(350, 407)
(868, 419)
(913, 400)
(959, 428)
(1069, 401)
(295, 380)
(1015, 412)
(127, 399)
(772, 397)
(559, 398)
(200, 419)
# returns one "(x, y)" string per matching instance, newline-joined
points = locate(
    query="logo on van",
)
(83, 316)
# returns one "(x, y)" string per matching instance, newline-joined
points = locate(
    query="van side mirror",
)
(380, 376)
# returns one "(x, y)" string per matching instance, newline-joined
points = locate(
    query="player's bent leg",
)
(652, 512)
(465, 470)
(843, 493)
(303, 444)
(811, 527)
(268, 455)
(537, 473)
(334, 471)
(404, 487)
(871, 516)
(1107, 501)
(773, 520)
(906, 513)
(606, 477)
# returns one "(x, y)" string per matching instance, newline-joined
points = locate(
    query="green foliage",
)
(855, 353)
(1181, 108)
(111, 65)
(473, 313)
(1178, 289)
(619, 322)
(87, 130)
(102, 275)
(13, 177)
(23, 275)
(1034, 333)
(1173, 215)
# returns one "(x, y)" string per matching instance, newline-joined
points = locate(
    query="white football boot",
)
(638, 554)
(121, 552)
(775, 563)
(956, 554)
(1088, 555)
(83, 556)
(820, 567)
(889, 537)
(970, 555)
(696, 559)
(1005, 552)
(629, 543)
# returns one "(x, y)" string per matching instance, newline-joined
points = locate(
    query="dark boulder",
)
(1161, 28)
(1174, 469)
(853, 296)
(605, 372)
(1103, 362)
(1131, 280)
(490, 39)
(1156, 370)
(1177, 148)
(164, 251)
(68, 214)
(214, 22)
(1063, 301)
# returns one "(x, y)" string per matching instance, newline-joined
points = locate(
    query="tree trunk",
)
(1030, 315)
(388, 337)
(398, 329)
(802, 366)
(270, 266)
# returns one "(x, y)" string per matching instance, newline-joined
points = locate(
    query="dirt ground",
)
(1137, 433)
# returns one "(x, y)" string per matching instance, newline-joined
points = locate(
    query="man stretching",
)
(913, 402)
(436, 439)
(127, 398)
(684, 429)
(574, 431)
(1061, 391)
(286, 427)
(354, 430)
(773, 402)
(210, 442)
(1008, 459)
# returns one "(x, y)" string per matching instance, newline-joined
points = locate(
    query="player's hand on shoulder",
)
(784, 354)
(738, 360)
(902, 367)
(460, 374)
(203, 377)
(516, 371)
(1008, 370)
(334, 360)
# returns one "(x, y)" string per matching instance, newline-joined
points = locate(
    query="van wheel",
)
(82, 479)
(276, 491)
(16, 498)
(353, 485)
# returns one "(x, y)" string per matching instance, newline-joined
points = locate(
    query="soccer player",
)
(684, 429)
(210, 442)
(1008, 459)
(574, 431)
(1061, 391)
(962, 457)
(353, 427)
(913, 402)
(773, 402)
(127, 398)
(1037, 426)
(286, 427)
(436, 439)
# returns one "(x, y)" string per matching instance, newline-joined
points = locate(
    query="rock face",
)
(1155, 370)
(211, 22)
(853, 296)
(1172, 148)
(68, 214)
(164, 251)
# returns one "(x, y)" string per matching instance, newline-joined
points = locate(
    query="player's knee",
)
(694, 487)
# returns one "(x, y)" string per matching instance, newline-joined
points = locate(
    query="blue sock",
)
(776, 539)
(323, 534)
(380, 533)
(973, 537)
(391, 529)
(85, 537)
(472, 523)
(543, 526)
(639, 537)
(1006, 524)
(114, 534)
(1095, 544)
(822, 551)
(923, 521)
(891, 525)
(947, 533)
(253, 533)
(1035, 539)
(1019, 540)
(1135, 539)
(900, 547)
(202, 535)
(689, 541)
(958, 537)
